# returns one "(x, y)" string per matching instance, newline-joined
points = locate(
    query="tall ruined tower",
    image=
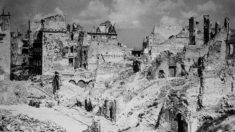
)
(226, 24)
(192, 37)
(5, 51)
(206, 28)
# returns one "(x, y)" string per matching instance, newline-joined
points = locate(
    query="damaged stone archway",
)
(177, 119)
(82, 83)
(182, 123)
(176, 116)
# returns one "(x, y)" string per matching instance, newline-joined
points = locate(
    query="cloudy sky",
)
(134, 19)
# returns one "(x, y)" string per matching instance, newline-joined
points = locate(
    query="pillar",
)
(226, 24)
(206, 29)
(217, 30)
(192, 31)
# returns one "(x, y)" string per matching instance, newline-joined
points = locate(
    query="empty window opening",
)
(84, 52)
(72, 36)
(70, 61)
(231, 49)
(172, 70)
(161, 74)
(71, 49)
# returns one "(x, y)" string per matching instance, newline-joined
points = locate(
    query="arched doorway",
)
(182, 124)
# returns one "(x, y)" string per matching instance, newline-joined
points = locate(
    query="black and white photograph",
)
(117, 65)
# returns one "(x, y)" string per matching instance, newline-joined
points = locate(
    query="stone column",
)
(206, 29)
(192, 31)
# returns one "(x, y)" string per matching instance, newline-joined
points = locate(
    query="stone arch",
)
(81, 83)
(177, 119)
(182, 125)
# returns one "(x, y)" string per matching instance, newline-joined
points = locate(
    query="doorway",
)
(182, 124)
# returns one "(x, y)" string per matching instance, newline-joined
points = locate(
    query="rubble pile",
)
(13, 92)
(26, 124)
(178, 82)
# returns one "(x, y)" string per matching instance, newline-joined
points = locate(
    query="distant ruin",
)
(5, 44)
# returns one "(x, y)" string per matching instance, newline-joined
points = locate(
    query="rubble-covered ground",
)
(24, 123)
(123, 101)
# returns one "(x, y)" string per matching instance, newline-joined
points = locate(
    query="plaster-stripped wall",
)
(5, 53)
(56, 52)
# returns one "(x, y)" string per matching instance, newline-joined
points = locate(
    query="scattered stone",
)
(34, 103)
(23, 123)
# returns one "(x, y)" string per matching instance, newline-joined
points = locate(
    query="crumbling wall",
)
(108, 110)
(16, 51)
(53, 22)
(5, 52)
(104, 53)
(206, 29)
(57, 53)
(166, 65)
(192, 36)
(158, 41)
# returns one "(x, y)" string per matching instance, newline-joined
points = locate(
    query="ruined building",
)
(160, 39)
(180, 53)
(19, 49)
(104, 32)
(5, 44)
(104, 46)
(54, 45)
(20, 69)
(81, 60)
(65, 48)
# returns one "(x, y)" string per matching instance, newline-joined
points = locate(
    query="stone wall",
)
(53, 22)
(5, 53)
(58, 53)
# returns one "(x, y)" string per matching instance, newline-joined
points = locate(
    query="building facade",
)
(5, 44)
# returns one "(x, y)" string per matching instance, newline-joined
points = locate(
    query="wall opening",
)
(161, 74)
(71, 49)
(231, 49)
(70, 61)
(182, 124)
(172, 71)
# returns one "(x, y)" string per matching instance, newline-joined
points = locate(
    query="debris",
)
(25, 123)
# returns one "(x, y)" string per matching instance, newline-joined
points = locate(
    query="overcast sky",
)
(134, 19)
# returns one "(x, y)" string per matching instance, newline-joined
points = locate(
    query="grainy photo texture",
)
(117, 65)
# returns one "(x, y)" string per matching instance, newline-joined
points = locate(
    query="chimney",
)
(206, 28)
(191, 29)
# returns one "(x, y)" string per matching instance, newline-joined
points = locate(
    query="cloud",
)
(95, 9)
(167, 20)
(59, 11)
(208, 6)
(163, 7)
(127, 13)
(189, 14)
(39, 16)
